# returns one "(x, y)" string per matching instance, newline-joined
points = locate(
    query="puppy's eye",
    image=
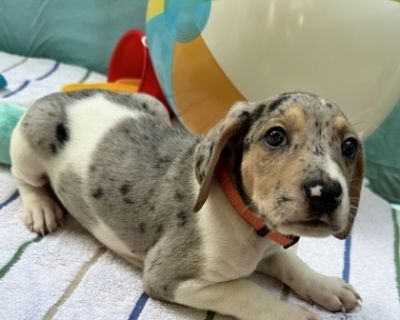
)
(275, 137)
(349, 147)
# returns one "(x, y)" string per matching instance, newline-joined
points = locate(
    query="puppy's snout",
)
(323, 196)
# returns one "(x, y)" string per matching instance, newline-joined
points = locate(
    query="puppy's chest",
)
(234, 255)
(231, 247)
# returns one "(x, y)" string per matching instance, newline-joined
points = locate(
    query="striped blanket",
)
(69, 275)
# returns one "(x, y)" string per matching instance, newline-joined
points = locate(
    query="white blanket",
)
(69, 275)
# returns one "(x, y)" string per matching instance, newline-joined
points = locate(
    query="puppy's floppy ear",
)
(209, 150)
(355, 189)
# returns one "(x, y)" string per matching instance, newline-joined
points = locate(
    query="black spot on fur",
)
(257, 112)
(183, 219)
(278, 102)
(165, 160)
(127, 200)
(200, 176)
(283, 199)
(122, 153)
(142, 227)
(98, 193)
(126, 131)
(92, 168)
(152, 208)
(62, 133)
(329, 105)
(160, 228)
(178, 196)
(199, 161)
(318, 150)
(244, 114)
(124, 189)
(53, 148)
(157, 166)
(145, 106)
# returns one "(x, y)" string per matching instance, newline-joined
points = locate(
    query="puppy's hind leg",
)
(41, 212)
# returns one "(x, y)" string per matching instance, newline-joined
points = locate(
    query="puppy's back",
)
(115, 164)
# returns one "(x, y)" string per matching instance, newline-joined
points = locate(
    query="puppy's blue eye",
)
(275, 137)
(349, 147)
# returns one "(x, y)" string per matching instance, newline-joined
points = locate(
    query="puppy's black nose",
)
(323, 196)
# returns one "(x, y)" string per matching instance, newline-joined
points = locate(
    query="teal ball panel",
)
(186, 19)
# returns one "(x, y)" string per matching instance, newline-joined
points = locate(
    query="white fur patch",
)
(335, 173)
(88, 121)
(105, 235)
(316, 191)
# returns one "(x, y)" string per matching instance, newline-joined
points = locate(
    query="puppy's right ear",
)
(355, 190)
(209, 150)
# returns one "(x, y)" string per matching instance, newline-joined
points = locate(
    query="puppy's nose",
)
(323, 196)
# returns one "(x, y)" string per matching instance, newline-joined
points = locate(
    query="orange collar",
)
(237, 202)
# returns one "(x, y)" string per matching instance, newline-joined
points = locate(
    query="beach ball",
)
(208, 54)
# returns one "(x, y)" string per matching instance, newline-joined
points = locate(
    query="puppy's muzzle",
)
(323, 196)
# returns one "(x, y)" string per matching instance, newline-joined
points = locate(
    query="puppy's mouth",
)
(318, 227)
(314, 223)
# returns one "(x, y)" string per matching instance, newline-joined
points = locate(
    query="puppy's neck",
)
(228, 239)
(220, 206)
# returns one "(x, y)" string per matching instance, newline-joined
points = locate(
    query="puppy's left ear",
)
(209, 150)
(355, 190)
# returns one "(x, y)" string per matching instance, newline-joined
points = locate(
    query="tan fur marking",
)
(296, 117)
(340, 124)
(263, 167)
(263, 188)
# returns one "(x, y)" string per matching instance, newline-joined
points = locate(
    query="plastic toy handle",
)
(118, 86)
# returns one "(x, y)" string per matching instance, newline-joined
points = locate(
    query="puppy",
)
(198, 215)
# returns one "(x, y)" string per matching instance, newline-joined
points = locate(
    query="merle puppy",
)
(198, 215)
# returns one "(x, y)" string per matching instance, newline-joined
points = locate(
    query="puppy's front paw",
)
(333, 294)
(42, 215)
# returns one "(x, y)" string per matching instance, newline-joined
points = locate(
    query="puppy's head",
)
(295, 159)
